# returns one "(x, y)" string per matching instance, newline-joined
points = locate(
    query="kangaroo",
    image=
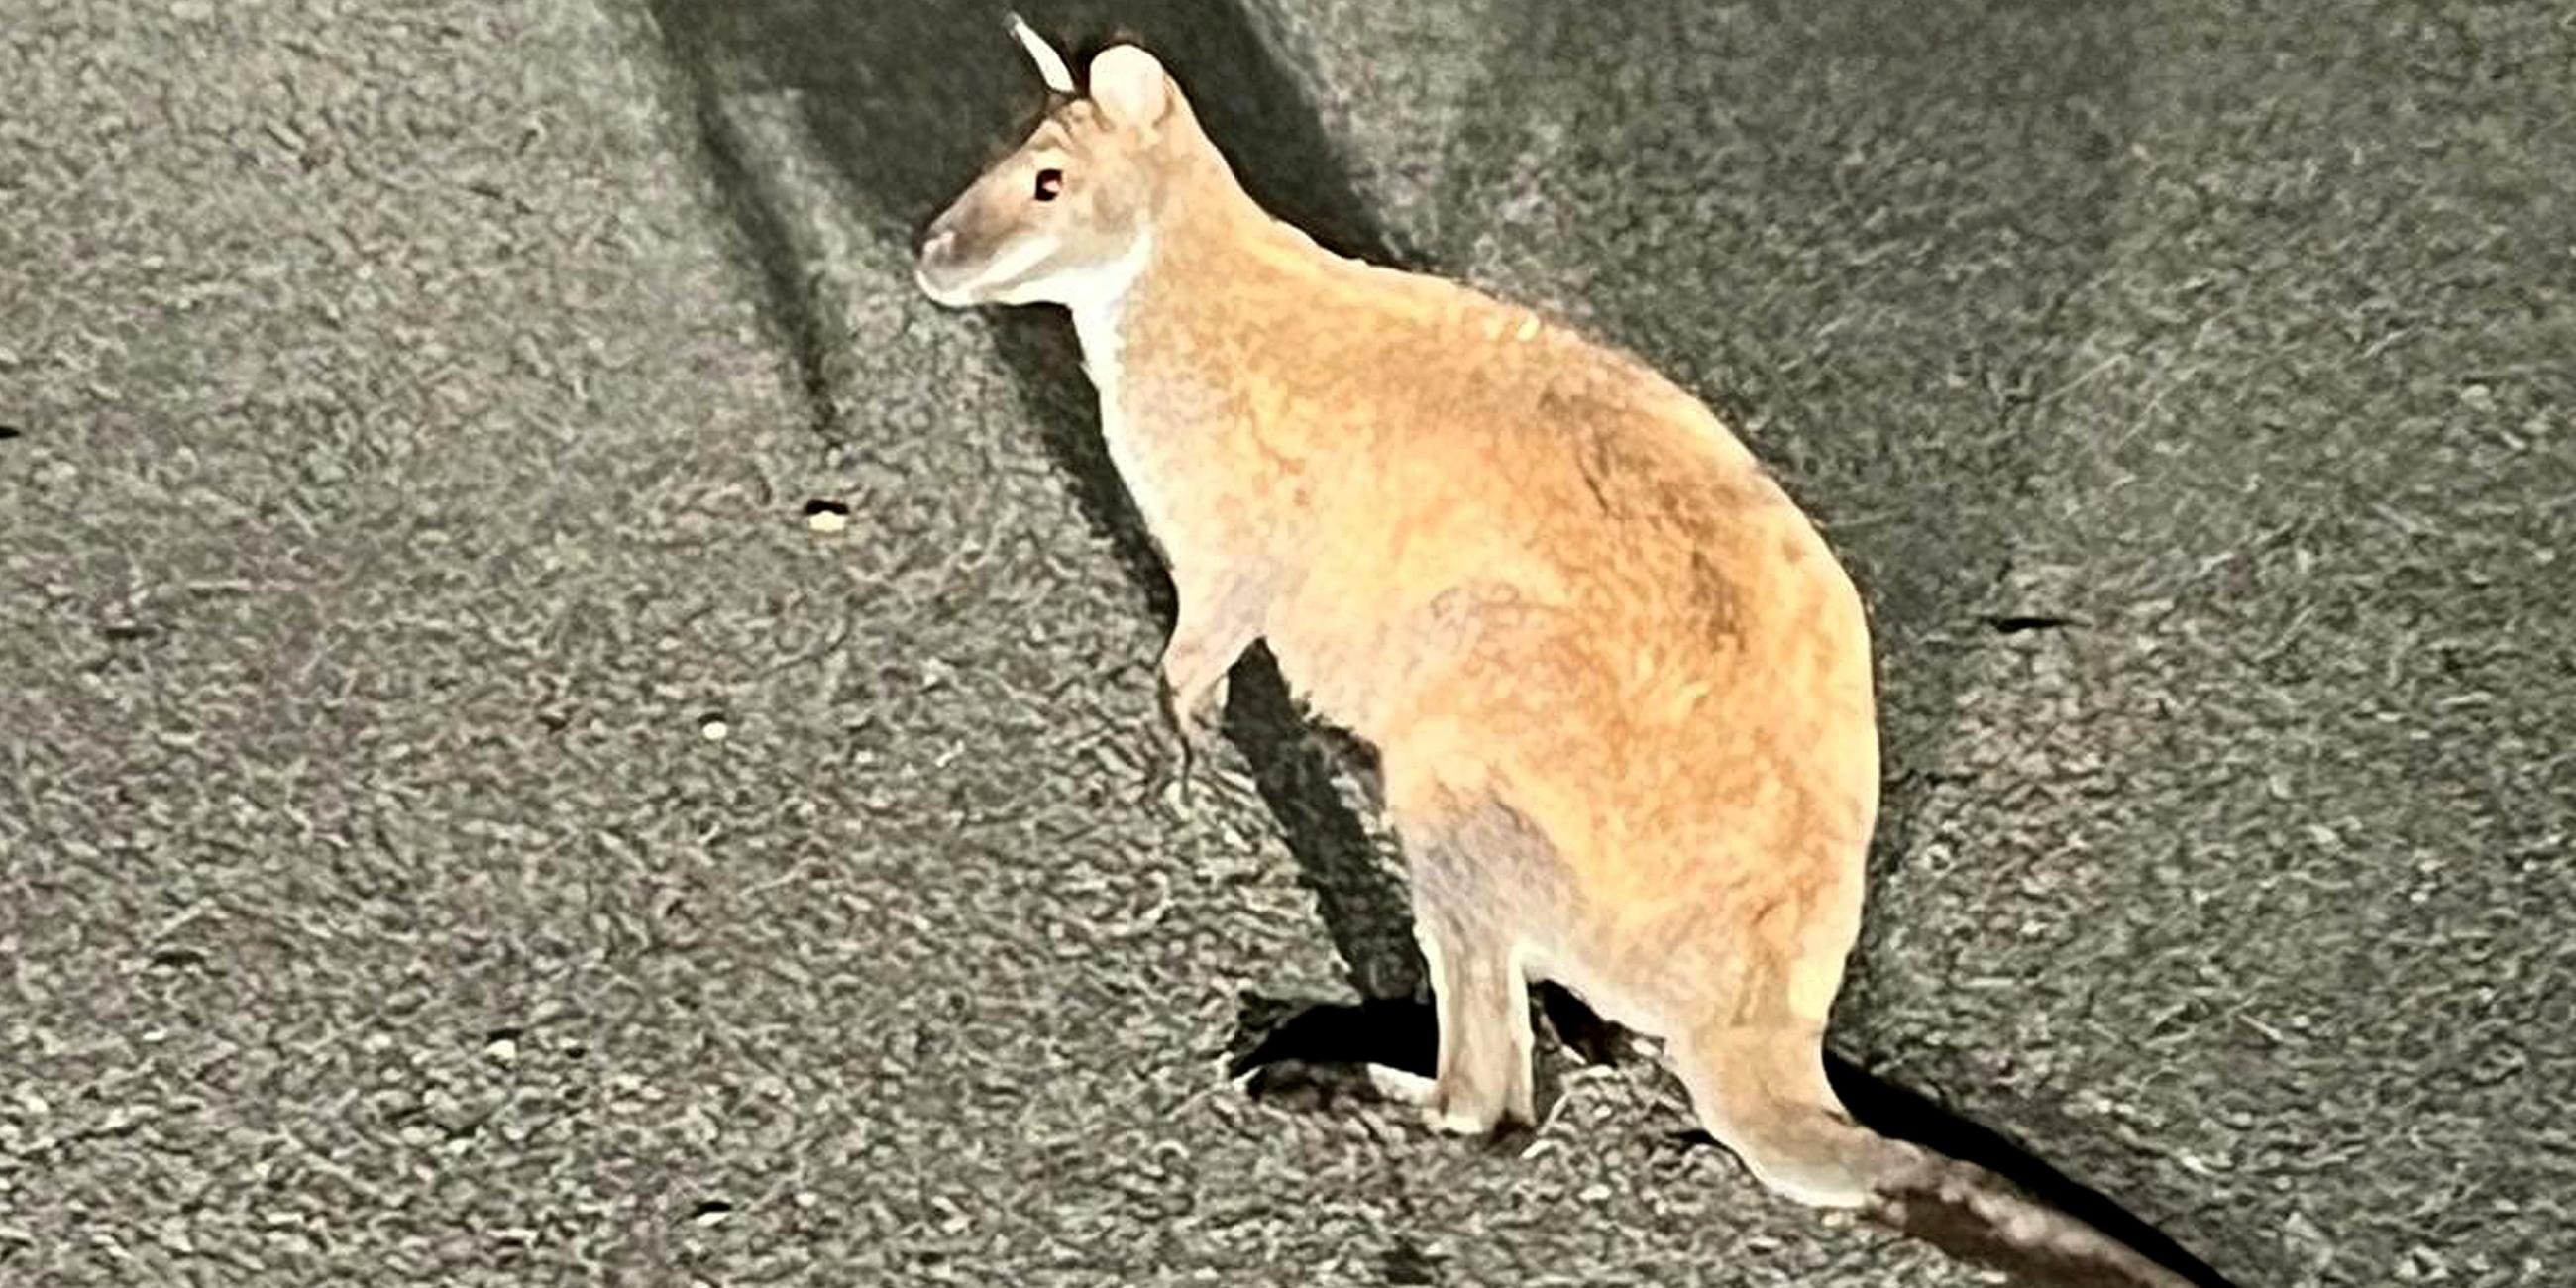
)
(1619, 687)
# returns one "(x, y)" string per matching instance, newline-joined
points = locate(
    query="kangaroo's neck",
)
(1180, 295)
(1179, 354)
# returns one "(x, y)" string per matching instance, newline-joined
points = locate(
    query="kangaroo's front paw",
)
(1195, 716)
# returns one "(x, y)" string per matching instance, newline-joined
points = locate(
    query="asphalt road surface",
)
(462, 823)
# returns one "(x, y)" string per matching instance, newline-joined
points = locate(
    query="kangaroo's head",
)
(1068, 216)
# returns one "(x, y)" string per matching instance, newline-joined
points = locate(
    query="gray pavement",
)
(460, 824)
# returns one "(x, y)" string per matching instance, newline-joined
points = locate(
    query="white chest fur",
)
(1097, 325)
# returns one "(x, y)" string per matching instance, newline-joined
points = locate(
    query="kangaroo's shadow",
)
(1316, 1056)
(909, 103)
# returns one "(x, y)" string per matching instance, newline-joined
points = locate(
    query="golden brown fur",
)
(1529, 571)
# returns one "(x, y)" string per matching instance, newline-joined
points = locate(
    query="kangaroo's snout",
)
(935, 268)
(933, 261)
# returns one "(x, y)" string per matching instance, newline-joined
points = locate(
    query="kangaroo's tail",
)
(1976, 1215)
(1763, 1094)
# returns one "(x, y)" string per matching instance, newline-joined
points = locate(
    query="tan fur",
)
(1619, 686)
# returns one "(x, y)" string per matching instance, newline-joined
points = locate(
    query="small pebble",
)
(715, 730)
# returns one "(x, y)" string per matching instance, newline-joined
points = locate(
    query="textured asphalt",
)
(460, 823)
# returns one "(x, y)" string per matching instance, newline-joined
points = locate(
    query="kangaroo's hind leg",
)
(1752, 1052)
(1474, 899)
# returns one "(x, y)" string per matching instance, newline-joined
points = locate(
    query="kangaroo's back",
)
(1451, 452)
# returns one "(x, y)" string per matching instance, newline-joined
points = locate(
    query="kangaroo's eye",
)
(1050, 182)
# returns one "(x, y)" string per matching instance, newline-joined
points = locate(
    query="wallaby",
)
(1619, 687)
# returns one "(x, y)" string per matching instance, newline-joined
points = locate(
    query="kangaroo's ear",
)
(1051, 68)
(1130, 87)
